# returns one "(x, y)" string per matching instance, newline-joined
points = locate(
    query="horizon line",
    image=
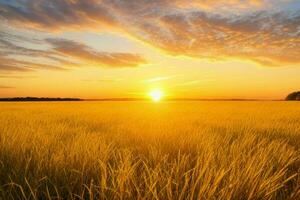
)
(129, 99)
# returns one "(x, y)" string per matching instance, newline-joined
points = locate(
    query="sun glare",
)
(156, 95)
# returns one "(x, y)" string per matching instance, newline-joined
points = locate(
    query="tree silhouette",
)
(295, 96)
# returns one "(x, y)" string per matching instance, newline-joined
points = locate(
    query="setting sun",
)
(156, 95)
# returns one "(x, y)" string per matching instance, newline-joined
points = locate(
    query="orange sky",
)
(123, 48)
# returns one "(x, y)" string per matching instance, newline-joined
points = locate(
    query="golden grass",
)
(142, 150)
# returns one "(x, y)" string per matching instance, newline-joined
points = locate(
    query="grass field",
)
(144, 150)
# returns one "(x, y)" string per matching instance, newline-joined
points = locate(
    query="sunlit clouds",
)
(266, 32)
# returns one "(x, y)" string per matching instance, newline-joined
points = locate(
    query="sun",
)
(156, 95)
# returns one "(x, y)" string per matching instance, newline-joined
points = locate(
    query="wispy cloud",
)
(159, 78)
(110, 80)
(6, 87)
(15, 77)
(195, 82)
(85, 54)
(10, 64)
(104, 80)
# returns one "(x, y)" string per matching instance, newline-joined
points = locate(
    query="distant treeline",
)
(38, 99)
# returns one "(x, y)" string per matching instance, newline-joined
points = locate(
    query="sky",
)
(127, 48)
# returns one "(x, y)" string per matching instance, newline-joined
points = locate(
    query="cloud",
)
(223, 4)
(14, 57)
(61, 55)
(56, 14)
(83, 53)
(159, 79)
(268, 39)
(104, 80)
(263, 31)
(13, 65)
(195, 82)
(6, 87)
(15, 77)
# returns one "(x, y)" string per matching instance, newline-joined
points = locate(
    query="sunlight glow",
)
(156, 95)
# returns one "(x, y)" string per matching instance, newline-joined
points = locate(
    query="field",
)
(145, 150)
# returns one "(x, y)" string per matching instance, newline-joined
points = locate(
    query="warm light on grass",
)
(138, 150)
(156, 95)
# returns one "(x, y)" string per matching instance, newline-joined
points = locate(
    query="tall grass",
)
(141, 150)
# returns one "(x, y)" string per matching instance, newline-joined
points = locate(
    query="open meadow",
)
(145, 150)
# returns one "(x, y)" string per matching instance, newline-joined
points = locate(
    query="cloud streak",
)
(15, 77)
(5, 87)
(264, 31)
(88, 55)
(159, 79)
